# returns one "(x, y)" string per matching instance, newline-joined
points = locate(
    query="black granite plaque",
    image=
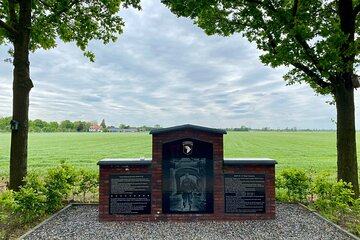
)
(244, 193)
(130, 194)
(188, 177)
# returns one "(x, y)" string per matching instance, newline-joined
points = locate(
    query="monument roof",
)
(188, 126)
(247, 161)
(124, 161)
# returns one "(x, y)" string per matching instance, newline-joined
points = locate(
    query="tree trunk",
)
(21, 89)
(346, 135)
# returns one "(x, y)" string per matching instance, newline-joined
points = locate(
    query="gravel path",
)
(292, 222)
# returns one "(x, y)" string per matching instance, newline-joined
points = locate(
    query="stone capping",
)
(154, 167)
(124, 161)
(249, 161)
(188, 126)
(147, 161)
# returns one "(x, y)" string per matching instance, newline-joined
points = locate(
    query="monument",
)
(187, 179)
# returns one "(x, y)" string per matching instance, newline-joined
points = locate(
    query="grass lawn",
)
(313, 152)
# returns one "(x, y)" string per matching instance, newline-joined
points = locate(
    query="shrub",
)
(353, 222)
(31, 204)
(86, 182)
(332, 198)
(294, 183)
(42, 195)
(58, 184)
(7, 208)
(7, 205)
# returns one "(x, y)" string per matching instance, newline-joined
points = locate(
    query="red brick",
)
(156, 170)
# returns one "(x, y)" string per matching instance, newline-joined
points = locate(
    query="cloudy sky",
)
(165, 70)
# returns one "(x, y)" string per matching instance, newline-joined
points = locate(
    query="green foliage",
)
(86, 182)
(7, 212)
(295, 182)
(306, 35)
(352, 220)
(40, 196)
(5, 124)
(66, 125)
(332, 198)
(103, 124)
(39, 125)
(69, 21)
(26, 205)
(303, 150)
(58, 184)
(31, 204)
(7, 205)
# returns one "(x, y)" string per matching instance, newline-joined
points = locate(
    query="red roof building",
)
(95, 128)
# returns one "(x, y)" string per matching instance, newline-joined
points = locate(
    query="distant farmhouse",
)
(96, 128)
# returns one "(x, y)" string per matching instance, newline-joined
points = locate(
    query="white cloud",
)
(165, 70)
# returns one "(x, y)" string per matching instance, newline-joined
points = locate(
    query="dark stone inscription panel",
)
(130, 194)
(244, 193)
(188, 183)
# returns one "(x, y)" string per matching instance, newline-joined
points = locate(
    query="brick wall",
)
(104, 190)
(269, 171)
(156, 170)
(213, 138)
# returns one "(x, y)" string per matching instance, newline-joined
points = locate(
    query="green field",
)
(313, 152)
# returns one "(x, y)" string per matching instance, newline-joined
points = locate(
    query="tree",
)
(124, 126)
(66, 126)
(5, 123)
(37, 125)
(103, 123)
(29, 25)
(319, 41)
(54, 126)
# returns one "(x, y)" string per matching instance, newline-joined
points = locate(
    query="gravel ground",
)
(292, 222)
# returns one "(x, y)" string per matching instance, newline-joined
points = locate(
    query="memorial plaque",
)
(244, 193)
(130, 194)
(188, 177)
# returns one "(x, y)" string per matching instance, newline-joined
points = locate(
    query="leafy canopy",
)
(311, 36)
(78, 21)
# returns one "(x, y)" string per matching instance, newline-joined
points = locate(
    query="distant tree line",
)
(287, 129)
(240, 129)
(39, 125)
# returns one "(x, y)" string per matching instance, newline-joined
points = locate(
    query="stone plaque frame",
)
(245, 193)
(130, 194)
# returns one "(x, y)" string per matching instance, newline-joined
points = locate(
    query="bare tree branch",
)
(308, 50)
(311, 74)
(272, 43)
(8, 28)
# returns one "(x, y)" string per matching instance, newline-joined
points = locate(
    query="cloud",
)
(165, 70)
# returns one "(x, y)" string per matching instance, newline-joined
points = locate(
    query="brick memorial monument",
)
(187, 179)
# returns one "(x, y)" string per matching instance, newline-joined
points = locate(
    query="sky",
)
(165, 70)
